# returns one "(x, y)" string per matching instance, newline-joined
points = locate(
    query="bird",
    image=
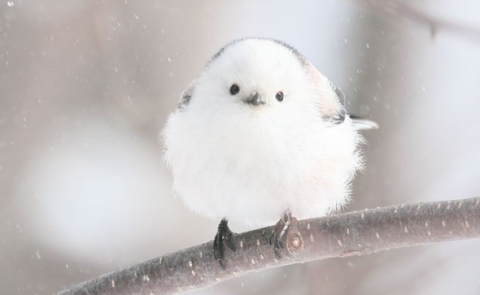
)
(261, 137)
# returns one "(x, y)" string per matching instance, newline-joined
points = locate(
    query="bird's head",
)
(262, 76)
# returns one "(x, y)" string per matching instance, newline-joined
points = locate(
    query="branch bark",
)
(350, 234)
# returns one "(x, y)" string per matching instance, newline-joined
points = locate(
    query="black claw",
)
(279, 233)
(223, 237)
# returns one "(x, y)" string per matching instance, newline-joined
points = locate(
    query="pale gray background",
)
(85, 87)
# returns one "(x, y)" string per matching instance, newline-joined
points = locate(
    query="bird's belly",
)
(252, 171)
(256, 188)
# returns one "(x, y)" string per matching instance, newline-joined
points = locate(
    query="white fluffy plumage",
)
(252, 162)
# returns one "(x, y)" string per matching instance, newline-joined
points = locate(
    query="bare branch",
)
(350, 234)
(399, 9)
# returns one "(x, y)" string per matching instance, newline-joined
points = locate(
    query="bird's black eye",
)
(234, 89)
(279, 96)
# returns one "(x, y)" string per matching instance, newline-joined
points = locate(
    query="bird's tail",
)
(363, 124)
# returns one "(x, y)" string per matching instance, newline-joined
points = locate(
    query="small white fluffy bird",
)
(260, 135)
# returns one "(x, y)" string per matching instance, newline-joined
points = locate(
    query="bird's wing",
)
(186, 95)
(358, 123)
(339, 116)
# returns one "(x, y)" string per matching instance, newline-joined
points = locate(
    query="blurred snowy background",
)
(85, 87)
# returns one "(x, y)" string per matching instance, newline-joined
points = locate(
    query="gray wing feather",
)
(339, 92)
(186, 95)
(358, 123)
(339, 117)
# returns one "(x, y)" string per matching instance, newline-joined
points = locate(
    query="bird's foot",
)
(279, 234)
(223, 237)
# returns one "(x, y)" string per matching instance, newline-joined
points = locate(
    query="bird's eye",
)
(234, 89)
(279, 96)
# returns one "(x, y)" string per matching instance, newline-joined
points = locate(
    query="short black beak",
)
(255, 99)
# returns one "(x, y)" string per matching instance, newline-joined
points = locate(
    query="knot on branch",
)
(294, 240)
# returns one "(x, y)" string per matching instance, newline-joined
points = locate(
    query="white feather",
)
(252, 163)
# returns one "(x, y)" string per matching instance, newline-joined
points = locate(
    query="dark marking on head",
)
(292, 49)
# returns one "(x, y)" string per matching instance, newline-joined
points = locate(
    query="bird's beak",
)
(255, 99)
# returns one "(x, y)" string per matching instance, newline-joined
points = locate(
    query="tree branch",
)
(399, 9)
(350, 234)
